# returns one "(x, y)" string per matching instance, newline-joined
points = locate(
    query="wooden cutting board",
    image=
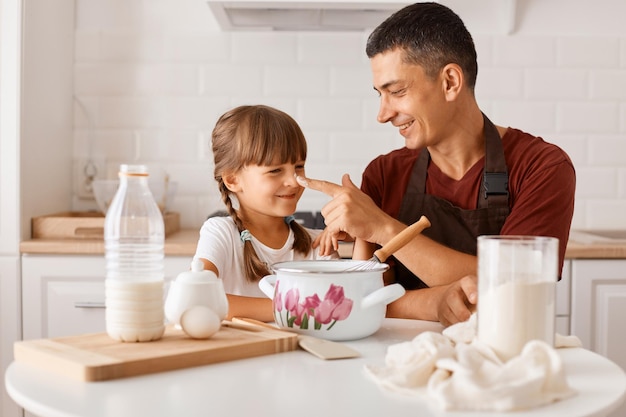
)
(97, 357)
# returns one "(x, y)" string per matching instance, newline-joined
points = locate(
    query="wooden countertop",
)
(596, 244)
(183, 243)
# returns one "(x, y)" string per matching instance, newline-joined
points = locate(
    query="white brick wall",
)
(155, 75)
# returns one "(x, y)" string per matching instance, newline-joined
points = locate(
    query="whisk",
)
(393, 245)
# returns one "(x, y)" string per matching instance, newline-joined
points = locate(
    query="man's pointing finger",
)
(328, 188)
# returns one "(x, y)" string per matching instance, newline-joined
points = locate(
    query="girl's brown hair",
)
(257, 135)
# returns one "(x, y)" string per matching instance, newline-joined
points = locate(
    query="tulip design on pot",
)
(311, 312)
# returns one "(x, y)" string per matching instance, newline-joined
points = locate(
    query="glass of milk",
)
(517, 278)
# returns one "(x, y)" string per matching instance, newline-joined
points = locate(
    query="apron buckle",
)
(496, 183)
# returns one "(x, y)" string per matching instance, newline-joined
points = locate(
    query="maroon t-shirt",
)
(542, 183)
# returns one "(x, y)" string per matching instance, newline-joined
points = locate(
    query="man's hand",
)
(458, 301)
(350, 210)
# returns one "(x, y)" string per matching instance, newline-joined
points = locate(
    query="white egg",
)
(200, 322)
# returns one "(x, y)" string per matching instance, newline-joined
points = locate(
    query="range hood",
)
(301, 15)
(350, 15)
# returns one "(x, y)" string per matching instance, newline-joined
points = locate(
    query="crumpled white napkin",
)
(460, 373)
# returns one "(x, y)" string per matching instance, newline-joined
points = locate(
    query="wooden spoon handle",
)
(253, 322)
(402, 239)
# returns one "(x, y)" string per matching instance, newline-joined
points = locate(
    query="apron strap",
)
(410, 208)
(494, 189)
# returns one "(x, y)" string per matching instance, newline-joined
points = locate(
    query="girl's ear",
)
(231, 181)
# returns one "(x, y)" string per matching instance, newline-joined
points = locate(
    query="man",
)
(466, 175)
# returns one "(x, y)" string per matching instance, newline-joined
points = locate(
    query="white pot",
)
(322, 299)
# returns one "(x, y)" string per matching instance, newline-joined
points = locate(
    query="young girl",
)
(258, 151)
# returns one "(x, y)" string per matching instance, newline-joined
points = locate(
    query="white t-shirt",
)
(220, 243)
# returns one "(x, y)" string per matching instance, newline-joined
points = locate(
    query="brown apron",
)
(452, 226)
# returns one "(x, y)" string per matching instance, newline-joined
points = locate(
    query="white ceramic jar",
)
(198, 287)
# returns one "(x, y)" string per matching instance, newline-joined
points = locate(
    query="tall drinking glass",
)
(517, 278)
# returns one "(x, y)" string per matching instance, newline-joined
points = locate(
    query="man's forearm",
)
(434, 263)
(419, 304)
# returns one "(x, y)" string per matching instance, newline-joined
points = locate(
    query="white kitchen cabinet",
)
(599, 308)
(563, 310)
(63, 295)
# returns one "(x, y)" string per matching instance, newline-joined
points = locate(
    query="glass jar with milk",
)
(517, 278)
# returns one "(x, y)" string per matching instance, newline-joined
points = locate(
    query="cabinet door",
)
(563, 299)
(64, 295)
(599, 306)
(52, 286)
(72, 306)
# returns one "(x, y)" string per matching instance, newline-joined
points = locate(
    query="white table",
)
(294, 384)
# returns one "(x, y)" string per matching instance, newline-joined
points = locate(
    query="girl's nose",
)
(290, 178)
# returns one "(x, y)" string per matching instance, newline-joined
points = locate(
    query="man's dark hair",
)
(431, 35)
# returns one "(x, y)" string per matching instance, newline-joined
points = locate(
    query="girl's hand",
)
(329, 242)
